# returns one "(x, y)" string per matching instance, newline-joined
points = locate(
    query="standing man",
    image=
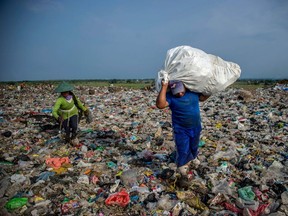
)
(186, 121)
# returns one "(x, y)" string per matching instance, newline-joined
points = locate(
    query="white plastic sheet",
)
(199, 71)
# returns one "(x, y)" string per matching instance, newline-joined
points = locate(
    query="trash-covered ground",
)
(123, 163)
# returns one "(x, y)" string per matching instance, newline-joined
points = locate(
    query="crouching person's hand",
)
(88, 116)
(87, 112)
(60, 119)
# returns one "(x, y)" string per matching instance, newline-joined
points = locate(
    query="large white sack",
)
(199, 71)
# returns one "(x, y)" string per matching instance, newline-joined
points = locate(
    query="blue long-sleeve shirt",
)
(185, 109)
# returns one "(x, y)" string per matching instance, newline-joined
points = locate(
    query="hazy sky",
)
(129, 39)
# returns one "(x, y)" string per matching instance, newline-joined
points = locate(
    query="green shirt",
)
(66, 109)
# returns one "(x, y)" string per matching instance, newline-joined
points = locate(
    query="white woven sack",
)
(199, 71)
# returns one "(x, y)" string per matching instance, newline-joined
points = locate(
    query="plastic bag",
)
(246, 193)
(121, 199)
(129, 178)
(199, 71)
(56, 163)
(89, 117)
(16, 202)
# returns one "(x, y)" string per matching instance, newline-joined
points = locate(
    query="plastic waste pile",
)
(124, 161)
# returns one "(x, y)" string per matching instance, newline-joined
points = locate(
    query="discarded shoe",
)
(67, 138)
(74, 135)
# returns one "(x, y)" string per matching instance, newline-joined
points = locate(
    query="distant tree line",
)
(145, 81)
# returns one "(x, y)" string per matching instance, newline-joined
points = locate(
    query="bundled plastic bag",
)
(199, 71)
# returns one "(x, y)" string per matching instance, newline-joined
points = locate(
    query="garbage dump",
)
(124, 164)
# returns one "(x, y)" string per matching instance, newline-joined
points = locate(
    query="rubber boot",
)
(67, 138)
(74, 136)
(74, 139)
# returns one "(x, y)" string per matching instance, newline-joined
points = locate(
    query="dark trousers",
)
(187, 143)
(70, 125)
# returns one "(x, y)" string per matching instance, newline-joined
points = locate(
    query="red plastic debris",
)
(231, 207)
(56, 163)
(260, 210)
(121, 198)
